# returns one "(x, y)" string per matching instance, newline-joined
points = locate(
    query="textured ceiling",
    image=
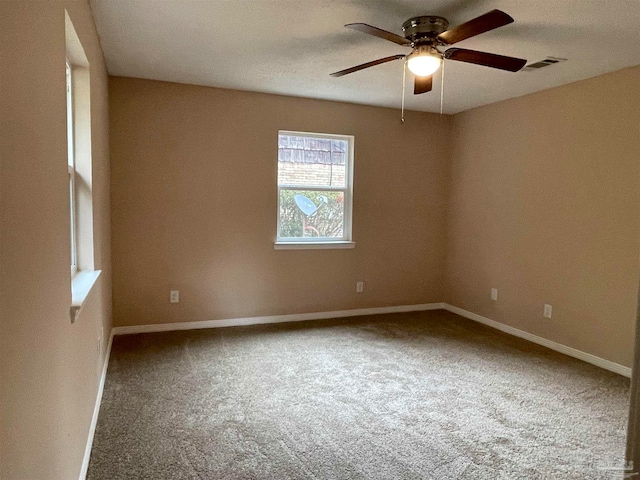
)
(289, 47)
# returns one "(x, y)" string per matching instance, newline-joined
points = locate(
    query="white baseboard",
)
(558, 347)
(296, 317)
(96, 411)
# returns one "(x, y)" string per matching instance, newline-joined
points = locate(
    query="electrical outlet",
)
(174, 297)
(359, 287)
(494, 294)
(547, 310)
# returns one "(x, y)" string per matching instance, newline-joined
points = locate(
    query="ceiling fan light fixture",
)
(424, 61)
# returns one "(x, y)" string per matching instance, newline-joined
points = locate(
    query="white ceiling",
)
(290, 47)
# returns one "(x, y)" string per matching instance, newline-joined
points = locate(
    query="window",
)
(79, 168)
(315, 190)
(71, 166)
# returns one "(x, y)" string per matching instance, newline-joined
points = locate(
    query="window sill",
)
(81, 285)
(312, 245)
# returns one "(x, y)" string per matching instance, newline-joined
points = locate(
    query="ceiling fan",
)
(426, 34)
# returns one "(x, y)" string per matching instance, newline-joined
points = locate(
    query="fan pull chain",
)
(404, 74)
(442, 86)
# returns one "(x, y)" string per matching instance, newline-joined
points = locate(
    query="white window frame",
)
(84, 276)
(285, 243)
(71, 167)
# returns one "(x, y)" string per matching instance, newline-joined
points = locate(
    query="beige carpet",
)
(426, 395)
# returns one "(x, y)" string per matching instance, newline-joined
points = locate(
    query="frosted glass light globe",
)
(423, 64)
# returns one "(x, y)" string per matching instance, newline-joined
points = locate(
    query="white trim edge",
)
(558, 347)
(328, 245)
(96, 411)
(296, 317)
(81, 286)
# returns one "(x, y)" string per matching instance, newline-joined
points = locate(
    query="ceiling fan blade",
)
(367, 65)
(422, 84)
(377, 32)
(481, 24)
(492, 60)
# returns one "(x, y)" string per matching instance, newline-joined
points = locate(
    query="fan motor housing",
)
(424, 29)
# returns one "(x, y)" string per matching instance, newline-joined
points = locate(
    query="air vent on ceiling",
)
(543, 63)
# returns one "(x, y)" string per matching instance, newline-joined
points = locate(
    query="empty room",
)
(285, 239)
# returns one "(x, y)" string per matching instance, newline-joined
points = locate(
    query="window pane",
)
(72, 202)
(70, 154)
(312, 161)
(308, 214)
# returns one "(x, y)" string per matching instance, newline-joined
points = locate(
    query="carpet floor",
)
(421, 395)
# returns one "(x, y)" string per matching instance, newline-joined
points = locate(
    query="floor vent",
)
(543, 63)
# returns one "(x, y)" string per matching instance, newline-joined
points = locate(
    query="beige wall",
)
(544, 206)
(194, 206)
(539, 195)
(49, 367)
